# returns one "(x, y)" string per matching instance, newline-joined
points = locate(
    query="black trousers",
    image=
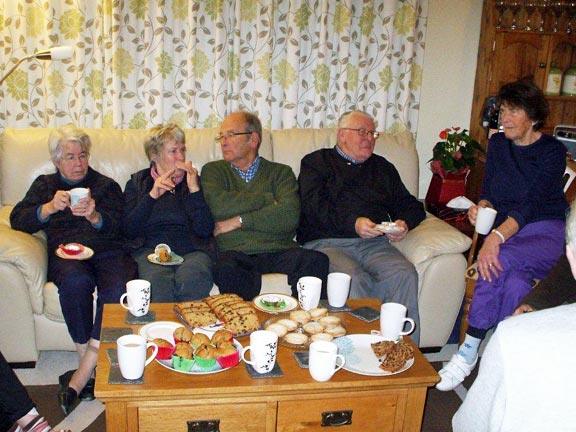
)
(14, 399)
(237, 272)
(77, 281)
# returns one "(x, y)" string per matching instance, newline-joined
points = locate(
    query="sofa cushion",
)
(431, 238)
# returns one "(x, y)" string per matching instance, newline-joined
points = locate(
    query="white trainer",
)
(454, 372)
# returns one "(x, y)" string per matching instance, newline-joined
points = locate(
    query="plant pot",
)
(442, 190)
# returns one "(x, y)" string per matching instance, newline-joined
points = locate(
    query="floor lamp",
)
(54, 53)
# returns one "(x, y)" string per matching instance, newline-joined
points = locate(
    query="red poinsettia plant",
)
(455, 153)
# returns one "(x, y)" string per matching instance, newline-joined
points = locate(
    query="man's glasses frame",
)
(364, 132)
(230, 135)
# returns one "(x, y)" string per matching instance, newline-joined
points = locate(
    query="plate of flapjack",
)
(371, 355)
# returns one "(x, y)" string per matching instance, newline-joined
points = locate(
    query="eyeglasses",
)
(229, 135)
(364, 132)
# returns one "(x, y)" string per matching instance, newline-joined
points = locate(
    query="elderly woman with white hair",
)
(526, 380)
(95, 221)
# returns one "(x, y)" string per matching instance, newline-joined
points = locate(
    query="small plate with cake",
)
(275, 303)
(373, 356)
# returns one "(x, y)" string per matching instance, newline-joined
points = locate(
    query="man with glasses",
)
(256, 207)
(346, 192)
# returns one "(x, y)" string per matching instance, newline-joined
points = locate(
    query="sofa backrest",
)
(118, 153)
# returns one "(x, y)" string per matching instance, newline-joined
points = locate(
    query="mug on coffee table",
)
(392, 320)
(322, 361)
(338, 289)
(132, 351)
(309, 290)
(263, 348)
(138, 295)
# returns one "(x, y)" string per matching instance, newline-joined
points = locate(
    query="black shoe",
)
(87, 393)
(64, 379)
(67, 399)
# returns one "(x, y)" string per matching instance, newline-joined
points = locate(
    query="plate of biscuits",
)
(371, 355)
(299, 328)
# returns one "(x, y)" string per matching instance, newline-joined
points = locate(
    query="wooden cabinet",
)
(508, 55)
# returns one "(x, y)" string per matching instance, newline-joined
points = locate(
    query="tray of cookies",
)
(298, 328)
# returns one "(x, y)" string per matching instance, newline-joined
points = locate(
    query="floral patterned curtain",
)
(137, 63)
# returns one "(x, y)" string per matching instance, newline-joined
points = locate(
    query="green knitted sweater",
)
(269, 206)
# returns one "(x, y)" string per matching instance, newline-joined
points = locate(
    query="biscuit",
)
(321, 337)
(335, 331)
(300, 316)
(317, 313)
(279, 329)
(296, 338)
(291, 325)
(330, 321)
(313, 327)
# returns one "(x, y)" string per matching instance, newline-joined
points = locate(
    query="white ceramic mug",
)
(263, 348)
(77, 194)
(322, 362)
(338, 289)
(392, 320)
(138, 295)
(132, 351)
(485, 219)
(309, 289)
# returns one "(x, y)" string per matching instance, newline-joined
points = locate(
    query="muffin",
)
(182, 334)
(165, 349)
(221, 336)
(183, 357)
(227, 356)
(198, 339)
(205, 356)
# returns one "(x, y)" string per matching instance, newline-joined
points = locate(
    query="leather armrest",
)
(28, 254)
(431, 238)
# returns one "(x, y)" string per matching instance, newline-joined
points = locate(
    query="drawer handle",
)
(203, 425)
(336, 418)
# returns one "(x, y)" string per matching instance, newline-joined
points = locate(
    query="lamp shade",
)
(54, 53)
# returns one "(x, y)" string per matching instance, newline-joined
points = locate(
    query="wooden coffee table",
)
(171, 401)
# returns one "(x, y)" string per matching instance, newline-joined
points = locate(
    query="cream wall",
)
(449, 71)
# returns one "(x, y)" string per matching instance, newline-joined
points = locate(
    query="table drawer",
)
(232, 417)
(382, 413)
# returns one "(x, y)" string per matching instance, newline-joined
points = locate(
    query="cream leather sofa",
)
(30, 314)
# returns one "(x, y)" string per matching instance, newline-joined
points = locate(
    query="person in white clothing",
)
(526, 380)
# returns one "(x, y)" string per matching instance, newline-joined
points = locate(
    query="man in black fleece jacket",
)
(345, 193)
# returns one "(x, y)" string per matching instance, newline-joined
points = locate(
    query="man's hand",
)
(365, 228)
(398, 235)
(227, 225)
